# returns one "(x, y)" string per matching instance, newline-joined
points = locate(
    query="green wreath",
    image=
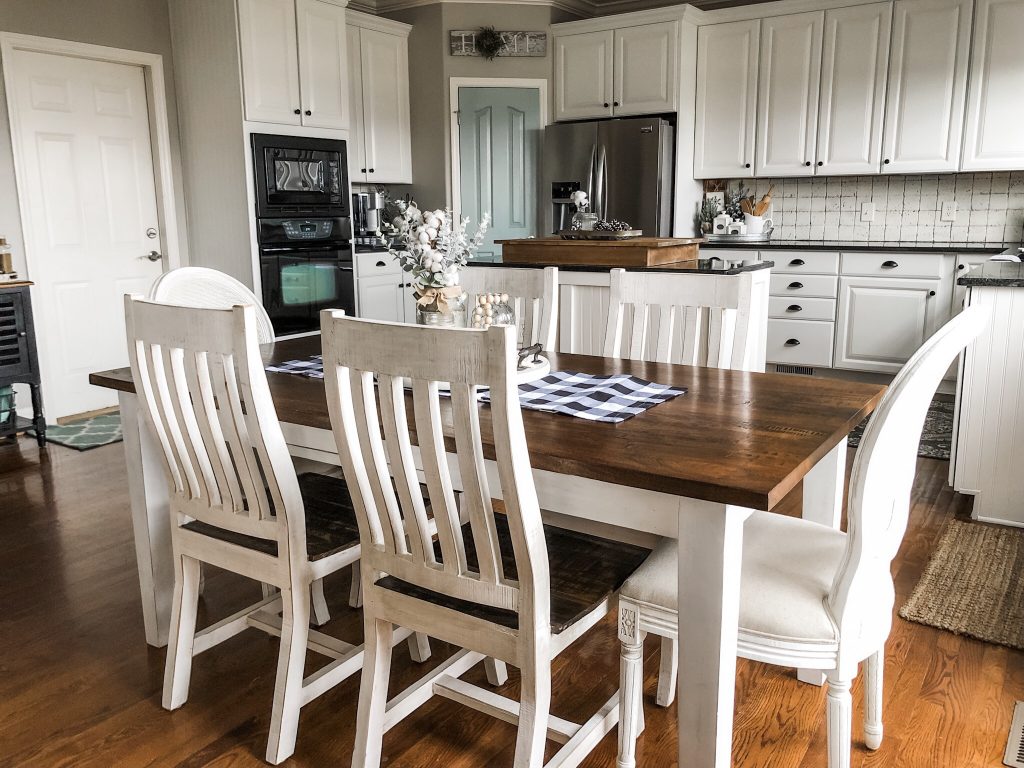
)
(489, 42)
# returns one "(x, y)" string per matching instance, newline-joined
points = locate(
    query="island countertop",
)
(630, 253)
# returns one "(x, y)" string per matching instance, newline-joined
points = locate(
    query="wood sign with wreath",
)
(489, 43)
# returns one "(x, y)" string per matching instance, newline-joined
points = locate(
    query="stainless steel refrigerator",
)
(624, 165)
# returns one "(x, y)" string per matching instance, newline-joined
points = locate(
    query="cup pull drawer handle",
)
(795, 286)
(797, 263)
(793, 342)
(890, 264)
(380, 264)
(794, 308)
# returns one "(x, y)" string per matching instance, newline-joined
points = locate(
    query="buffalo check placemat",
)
(313, 367)
(595, 398)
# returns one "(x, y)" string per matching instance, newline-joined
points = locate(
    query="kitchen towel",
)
(609, 399)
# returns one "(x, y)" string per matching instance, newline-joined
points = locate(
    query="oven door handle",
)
(301, 249)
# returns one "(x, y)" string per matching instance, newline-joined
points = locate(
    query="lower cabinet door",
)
(882, 321)
(380, 297)
(800, 342)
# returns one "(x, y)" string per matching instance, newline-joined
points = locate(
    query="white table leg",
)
(151, 521)
(710, 560)
(823, 503)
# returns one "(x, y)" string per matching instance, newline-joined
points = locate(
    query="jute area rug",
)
(974, 584)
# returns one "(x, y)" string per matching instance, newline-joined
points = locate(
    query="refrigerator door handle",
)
(601, 183)
(591, 190)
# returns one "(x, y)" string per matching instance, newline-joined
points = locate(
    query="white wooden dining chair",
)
(235, 499)
(500, 585)
(532, 292)
(690, 319)
(209, 288)
(812, 597)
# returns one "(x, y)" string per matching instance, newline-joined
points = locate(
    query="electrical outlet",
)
(948, 212)
(867, 211)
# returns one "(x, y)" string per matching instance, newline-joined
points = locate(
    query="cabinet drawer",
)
(804, 262)
(368, 264)
(871, 264)
(800, 342)
(825, 286)
(803, 308)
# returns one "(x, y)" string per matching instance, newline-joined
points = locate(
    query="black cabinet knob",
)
(793, 342)
(794, 308)
(796, 286)
(362, 170)
(807, 163)
(309, 112)
(797, 263)
(961, 266)
(820, 163)
(746, 165)
(615, 103)
(889, 264)
(298, 111)
(606, 105)
(885, 162)
(371, 170)
(931, 293)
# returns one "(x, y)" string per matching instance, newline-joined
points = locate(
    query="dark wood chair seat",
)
(584, 571)
(330, 520)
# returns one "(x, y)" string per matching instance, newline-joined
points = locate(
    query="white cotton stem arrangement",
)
(433, 245)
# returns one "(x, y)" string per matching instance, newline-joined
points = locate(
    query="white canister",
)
(756, 225)
(721, 224)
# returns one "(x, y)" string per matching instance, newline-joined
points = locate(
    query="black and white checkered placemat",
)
(595, 398)
(313, 367)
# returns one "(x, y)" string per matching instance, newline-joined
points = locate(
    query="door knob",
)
(152, 256)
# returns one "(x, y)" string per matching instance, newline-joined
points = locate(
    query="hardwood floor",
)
(79, 686)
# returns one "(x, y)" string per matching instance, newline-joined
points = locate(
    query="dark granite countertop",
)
(996, 274)
(709, 266)
(851, 245)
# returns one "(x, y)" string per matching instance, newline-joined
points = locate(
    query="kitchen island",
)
(628, 253)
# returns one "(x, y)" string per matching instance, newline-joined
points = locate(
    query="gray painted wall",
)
(139, 25)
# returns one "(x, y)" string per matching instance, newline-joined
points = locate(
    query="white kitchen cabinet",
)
(583, 75)
(994, 139)
(964, 262)
(646, 69)
(270, 61)
(724, 136)
(294, 64)
(787, 96)
(323, 64)
(854, 63)
(380, 149)
(924, 114)
(882, 321)
(380, 298)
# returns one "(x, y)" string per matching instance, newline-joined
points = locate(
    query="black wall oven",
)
(304, 229)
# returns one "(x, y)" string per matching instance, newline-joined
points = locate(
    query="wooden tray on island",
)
(628, 253)
(599, 234)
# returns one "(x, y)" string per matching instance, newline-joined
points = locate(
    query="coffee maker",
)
(367, 208)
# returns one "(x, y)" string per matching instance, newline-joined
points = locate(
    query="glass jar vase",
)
(447, 308)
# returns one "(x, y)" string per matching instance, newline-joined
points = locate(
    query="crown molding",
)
(370, 21)
(778, 8)
(627, 13)
(583, 8)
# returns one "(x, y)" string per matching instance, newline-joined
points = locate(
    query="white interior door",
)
(88, 196)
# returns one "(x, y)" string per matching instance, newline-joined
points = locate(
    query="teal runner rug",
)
(84, 434)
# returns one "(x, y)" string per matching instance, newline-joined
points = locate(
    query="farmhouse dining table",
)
(693, 468)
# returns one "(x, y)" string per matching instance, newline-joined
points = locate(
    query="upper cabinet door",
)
(323, 64)
(356, 145)
(924, 112)
(270, 61)
(854, 61)
(385, 72)
(995, 108)
(646, 69)
(787, 94)
(583, 75)
(726, 100)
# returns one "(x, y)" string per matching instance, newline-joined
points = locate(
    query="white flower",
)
(423, 238)
(579, 197)
(431, 232)
(431, 220)
(435, 266)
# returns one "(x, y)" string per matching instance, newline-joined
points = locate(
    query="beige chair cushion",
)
(788, 567)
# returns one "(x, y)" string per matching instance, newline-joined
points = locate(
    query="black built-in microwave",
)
(298, 175)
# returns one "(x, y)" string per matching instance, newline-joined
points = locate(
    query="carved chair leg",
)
(534, 708)
(631, 711)
(321, 613)
(668, 672)
(291, 660)
(840, 722)
(373, 692)
(355, 592)
(178, 665)
(873, 673)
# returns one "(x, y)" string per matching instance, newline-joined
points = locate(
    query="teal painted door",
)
(499, 133)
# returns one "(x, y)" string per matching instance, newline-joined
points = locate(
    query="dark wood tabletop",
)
(735, 437)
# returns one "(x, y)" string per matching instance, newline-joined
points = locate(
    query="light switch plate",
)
(948, 212)
(867, 211)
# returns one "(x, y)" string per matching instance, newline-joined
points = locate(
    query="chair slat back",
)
(533, 294)
(413, 365)
(209, 288)
(201, 385)
(682, 318)
(883, 472)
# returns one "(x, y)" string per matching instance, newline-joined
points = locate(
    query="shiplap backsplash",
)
(990, 207)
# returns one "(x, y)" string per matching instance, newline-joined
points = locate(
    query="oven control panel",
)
(308, 229)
